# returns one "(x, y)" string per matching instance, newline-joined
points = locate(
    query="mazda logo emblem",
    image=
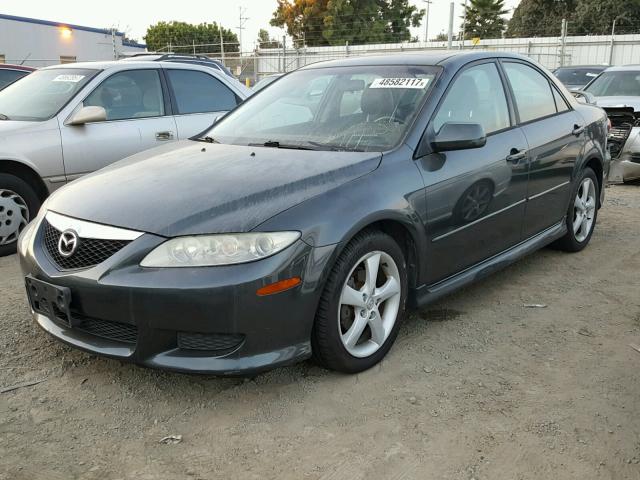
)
(68, 243)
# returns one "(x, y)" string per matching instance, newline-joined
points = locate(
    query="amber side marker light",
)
(278, 287)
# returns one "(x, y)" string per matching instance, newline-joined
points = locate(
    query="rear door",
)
(198, 98)
(474, 198)
(555, 137)
(137, 119)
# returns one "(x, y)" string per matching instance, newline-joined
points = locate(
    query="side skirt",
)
(429, 293)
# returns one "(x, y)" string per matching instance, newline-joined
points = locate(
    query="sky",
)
(133, 17)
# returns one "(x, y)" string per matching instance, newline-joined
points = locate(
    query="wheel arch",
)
(27, 174)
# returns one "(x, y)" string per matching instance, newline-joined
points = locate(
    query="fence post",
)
(284, 54)
(613, 41)
(563, 41)
(450, 36)
(346, 48)
(221, 47)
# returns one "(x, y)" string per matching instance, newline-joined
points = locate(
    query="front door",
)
(475, 199)
(555, 138)
(136, 121)
(199, 98)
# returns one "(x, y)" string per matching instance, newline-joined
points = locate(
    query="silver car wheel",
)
(369, 304)
(14, 216)
(584, 209)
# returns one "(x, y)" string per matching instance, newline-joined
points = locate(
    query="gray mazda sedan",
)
(306, 221)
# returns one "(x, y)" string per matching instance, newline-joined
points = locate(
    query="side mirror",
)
(584, 97)
(88, 115)
(459, 136)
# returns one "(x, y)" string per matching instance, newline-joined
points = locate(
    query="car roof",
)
(452, 57)
(578, 67)
(9, 66)
(624, 68)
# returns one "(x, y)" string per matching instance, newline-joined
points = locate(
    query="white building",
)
(38, 43)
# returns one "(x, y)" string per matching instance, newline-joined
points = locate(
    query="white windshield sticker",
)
(589, 74)
(400, 83)
(68, 78)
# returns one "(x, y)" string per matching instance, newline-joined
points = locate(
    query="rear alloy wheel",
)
(582, 214)
(362, 305)
(18, 205)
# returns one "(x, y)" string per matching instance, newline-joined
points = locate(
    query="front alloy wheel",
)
(362, 305)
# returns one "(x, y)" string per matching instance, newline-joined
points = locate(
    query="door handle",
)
(577, 130)
(161, 136)
(516, 155)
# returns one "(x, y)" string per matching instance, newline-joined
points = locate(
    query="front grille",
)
(216, 342)
(90, 251)
(118, 332)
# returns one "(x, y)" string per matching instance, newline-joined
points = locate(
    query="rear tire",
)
(19, 203)
(582, 213)
(362, 305)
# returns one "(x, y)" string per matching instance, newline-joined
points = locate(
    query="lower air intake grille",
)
(90, 251)
(216, 342)
(118, 332)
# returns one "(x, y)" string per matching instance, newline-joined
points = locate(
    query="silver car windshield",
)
(364, 108)
(42, 94)
(616, 84)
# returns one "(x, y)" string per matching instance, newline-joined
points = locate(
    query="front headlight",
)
(213, 250)
(26, 236)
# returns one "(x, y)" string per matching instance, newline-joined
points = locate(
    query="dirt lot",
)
(477, 386)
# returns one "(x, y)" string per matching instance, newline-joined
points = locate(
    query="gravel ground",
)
(476, 387)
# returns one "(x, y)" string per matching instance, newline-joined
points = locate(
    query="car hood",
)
(7, 127)
(633, 102)
(193, 188)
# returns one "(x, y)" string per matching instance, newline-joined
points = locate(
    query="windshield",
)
(41, 95)
(577, 76)
(616, 84)
(367, 108)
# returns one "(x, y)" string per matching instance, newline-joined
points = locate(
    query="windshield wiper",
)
(303, 146)
(3, 117)
(206, 139)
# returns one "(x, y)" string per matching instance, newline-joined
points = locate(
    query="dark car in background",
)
(576, 77)
(274, 238)
(12, 73)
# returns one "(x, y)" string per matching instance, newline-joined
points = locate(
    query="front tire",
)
(582, 214)
(19, 203)
(362, 305)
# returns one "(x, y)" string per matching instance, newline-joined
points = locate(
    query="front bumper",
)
(144, 315)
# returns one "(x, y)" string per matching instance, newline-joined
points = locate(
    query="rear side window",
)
(7, 77)
(198, 92)
(532, 91)
(128, 95)
(476, 96)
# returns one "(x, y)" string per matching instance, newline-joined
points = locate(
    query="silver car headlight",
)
(214, 250)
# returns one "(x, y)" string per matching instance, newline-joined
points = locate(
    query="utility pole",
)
(563, 41)
(450, 37)
(243, 20)
(426, 21)
(221, 45)
(613, 32)
(464, 24)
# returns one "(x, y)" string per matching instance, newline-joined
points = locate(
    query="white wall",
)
(43, 45)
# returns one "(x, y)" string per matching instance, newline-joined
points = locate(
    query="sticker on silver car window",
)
(68, 78)
(400, 83)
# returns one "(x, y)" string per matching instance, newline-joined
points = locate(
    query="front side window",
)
(532, 91)
(199, 92)
(368, 108)
(128, 95)
(616, 84)
(42, 94)
(7, 77)
(476, 96)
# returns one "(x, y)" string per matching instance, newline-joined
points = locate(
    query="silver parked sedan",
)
(62, 122)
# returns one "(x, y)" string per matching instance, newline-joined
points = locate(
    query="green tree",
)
(181, 36)
(596, 17)
(484, 19)
(264, 41)
(334, 22)
(540, 18)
